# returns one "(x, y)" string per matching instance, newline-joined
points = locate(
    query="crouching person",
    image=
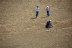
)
(48, 24)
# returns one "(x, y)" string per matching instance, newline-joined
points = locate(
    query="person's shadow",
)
(33, 18)
(45, 17)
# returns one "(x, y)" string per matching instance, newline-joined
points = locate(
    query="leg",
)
(36, 14)
(47, 13)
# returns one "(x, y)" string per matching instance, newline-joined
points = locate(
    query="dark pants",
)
(37, 13)
(48, 26)
(48, 14)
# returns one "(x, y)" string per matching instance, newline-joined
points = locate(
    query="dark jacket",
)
(48, 24)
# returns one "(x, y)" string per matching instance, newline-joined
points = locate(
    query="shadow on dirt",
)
(33, 18)
(45, 17)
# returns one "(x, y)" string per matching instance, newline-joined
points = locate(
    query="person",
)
(37, 11)
(48, 24)
(48, 11)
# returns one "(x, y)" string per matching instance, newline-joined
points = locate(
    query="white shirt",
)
(37, 9)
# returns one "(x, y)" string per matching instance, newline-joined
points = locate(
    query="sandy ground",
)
(19, 29)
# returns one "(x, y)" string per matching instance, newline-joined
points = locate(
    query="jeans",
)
(37, 13)
(48, 13)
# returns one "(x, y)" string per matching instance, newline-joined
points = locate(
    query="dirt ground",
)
(19, 29)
